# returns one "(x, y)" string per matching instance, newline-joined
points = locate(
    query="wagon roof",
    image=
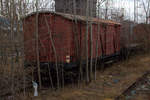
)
(77, 17)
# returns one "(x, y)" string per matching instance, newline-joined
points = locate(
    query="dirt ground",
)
(109, 84)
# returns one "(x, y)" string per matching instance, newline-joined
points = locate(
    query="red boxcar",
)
(68, 34)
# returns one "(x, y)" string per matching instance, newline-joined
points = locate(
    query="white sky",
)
(128, 5)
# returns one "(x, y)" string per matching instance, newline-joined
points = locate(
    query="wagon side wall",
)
(60, 31)
(64, 33)
(29, 38)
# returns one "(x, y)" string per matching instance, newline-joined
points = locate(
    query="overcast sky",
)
(128, 6)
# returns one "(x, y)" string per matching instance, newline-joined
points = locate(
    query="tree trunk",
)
(54, 50)
(86, 41)
(2, 10)
(91, 54)
(37, 45)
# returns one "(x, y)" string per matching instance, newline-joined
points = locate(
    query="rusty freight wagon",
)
(61, 37)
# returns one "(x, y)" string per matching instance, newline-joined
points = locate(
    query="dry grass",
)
(104, 88)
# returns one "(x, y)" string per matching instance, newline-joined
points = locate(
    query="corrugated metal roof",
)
(77, 17)
(84, 18)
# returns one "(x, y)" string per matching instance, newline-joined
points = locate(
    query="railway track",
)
(141, 86)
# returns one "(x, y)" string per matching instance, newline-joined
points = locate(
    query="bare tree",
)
(54, 50)
(146, 6)
(37, 44)
(2, 7)
(86, 41)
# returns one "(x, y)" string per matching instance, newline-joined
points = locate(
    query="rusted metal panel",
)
(64, 33)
